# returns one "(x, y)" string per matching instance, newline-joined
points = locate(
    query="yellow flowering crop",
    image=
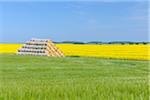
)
(105, 51)
(9, 48)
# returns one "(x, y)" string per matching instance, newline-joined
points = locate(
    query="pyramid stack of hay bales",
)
(40, 47)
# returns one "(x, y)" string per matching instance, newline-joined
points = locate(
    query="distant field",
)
(72, 78)
(139, 52)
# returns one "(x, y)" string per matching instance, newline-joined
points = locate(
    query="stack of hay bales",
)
(40, 47)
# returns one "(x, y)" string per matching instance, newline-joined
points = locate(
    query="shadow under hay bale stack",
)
(40, 47)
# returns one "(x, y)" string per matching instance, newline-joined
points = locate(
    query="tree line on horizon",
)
(99, 42)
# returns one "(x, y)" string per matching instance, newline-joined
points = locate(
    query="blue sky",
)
(74, 21)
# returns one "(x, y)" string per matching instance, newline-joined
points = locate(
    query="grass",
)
(72, 78)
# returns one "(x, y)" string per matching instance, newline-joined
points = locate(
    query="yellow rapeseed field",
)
(9, 48)
(139, 52)
(107, 51)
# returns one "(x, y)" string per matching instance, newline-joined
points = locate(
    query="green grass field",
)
(72, 78)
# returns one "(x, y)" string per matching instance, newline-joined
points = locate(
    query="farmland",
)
(138, 52)
(72, 78)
